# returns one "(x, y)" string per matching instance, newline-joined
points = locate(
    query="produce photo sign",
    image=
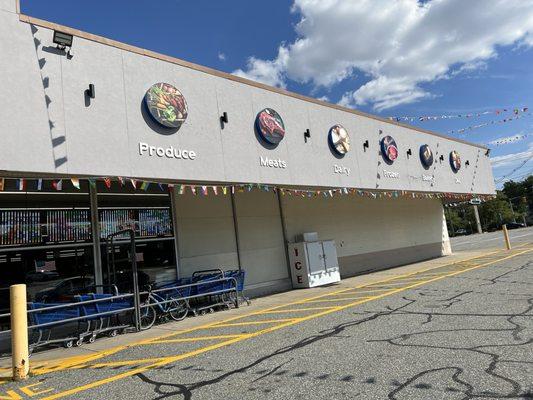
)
(339, 140)
(389, 148)
(455, 161)
(270, 126)
(166, 105)
(426, 156)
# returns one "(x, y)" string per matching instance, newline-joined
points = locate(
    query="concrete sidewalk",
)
(105, 343)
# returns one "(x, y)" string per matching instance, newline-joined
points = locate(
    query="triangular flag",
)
(204, 190)
(193, 190)
(215, 190)
(39, 184)
(133, 183)
(57, 185)
(161, 187)
(144, 185)
(75, 182)
(224, 190)
(22, 184)
(107, 182)
(92, 182)
(2, 182)
(121, 181)
(181, 189)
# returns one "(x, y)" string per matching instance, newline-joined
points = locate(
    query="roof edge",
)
(211, 71)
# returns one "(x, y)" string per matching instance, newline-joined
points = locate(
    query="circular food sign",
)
(270, 126)
(455, 161)
(339, 140)
(389, 148)
(426, 156)
(166, 105)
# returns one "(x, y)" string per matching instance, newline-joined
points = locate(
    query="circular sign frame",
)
(166, 105)
(426, 156)
(270, 126)
(389, 149)
(339, 140)
(455, 161)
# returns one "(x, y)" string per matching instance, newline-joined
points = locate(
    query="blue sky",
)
(392, 58)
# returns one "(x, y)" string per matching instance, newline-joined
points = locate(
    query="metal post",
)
(19, 332)
(284, 232)
(478, 222)
(236, 229)
(506, 236)
(136, 295)
(95, 232)
(174, 215)
(512, 210)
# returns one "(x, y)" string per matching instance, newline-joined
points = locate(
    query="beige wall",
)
(206, 237)
(371, 233)
(261, 237)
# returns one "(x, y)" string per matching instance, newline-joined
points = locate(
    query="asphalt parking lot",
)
(462, 330)
(491, 239)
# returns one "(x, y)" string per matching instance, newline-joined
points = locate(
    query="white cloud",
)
(512, 159)
(222, 56)
(265, 71)
(399, 45)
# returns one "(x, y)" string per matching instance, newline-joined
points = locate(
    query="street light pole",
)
(478, 222)
(512, 209)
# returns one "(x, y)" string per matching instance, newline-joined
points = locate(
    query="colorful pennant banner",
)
(515, 111)
(203, 190)
(493, 122)
(507, 140)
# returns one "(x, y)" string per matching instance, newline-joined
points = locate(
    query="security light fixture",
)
(63, 40)
(307, 135)
(224, 117)
(91, 92)
(467, 162)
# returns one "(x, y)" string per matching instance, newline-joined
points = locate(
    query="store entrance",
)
(149, 215)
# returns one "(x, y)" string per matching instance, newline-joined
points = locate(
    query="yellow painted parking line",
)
(335, 300)
(266, 321)
(357, 291)
(293, 310)
(124, 363)
(76, 360)
(196, 339)
(172, 359)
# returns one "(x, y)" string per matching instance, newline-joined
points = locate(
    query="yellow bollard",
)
(506, 236)
(19, 332)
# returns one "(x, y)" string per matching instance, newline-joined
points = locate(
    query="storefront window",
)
(45, 241)
(148, 213)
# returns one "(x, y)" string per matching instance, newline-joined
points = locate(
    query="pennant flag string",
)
(203, 190)
(422, 118)
(507, 140)
(493, 122)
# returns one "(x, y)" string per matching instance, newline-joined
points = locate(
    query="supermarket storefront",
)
(49, 241)
(210, 170)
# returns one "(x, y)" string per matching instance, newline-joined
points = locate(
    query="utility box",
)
(313, 263)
